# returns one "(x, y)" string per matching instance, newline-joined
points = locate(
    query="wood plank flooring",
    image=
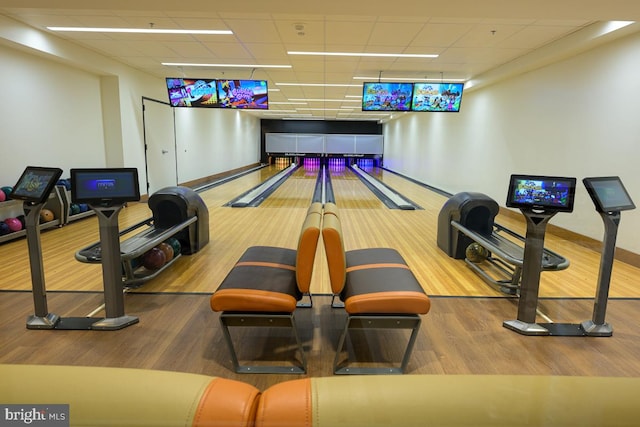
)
(177, 331)
(461, 335)
(366, 223)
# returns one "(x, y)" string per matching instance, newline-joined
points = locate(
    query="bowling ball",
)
(4, 228)
(476, 253)
(83, 207)
(7, 190)
(64, 183)
(175, 244)
(75, 209)
(46, 215)
(153, 259)
(22, 220)
(167, 249)
(14, 224)
(3, 196)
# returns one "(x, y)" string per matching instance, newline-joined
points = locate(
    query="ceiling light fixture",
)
(366, 54)
(323, 100)
(287, 103)
(185, 64)
(404, 79)
(319, 109)
(318, 84)
(138, 30)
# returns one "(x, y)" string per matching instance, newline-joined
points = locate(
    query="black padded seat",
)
(377, 287)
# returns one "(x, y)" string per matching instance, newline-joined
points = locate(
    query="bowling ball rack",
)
(133, 246)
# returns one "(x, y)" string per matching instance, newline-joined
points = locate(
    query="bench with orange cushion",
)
(264, 288)
(100, 396)
(451, 400)
(378, 290)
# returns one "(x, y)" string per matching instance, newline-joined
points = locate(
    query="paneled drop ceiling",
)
(472, 38)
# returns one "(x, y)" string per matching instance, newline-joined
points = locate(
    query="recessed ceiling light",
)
(287, 103)
(365, 54)
(138, 30)
(323, 100)
(318, 84)
(406, 79)
(319, 109)
(187, 64)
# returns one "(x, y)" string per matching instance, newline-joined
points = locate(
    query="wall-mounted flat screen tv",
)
(384, 96)
(184, 92)
(444, 97)
(550, 193)
(105, 186)
(243, 94)
(35, 184)
(608, 194)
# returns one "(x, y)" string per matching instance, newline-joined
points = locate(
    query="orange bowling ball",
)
(46, 215)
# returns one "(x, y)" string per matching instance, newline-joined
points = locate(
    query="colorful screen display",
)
(445, 97)
(386, 96)
(35, 184)
(243, 94)
(108, 186)
(608, 194)
(541, 192)
(192, 92)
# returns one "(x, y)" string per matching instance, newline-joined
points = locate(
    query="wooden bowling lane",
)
(276, 222)
(579, 280)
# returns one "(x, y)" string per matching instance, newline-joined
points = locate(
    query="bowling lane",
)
(297, 190)
(349, 191)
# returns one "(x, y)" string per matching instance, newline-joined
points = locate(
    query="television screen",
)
(35, 184)
(185, 92)
(378, 96)
(437, 97)
(104, 187)
(608, 194)
(541, 192)
(243, 94)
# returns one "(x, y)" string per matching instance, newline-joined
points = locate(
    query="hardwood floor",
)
(177, 331)
(366, 222)
(460, 335)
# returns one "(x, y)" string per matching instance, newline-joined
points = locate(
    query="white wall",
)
(50, 115)
(212, 141)
(578, 117)
(68, 107)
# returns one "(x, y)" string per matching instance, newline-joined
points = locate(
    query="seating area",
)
(265, 287)
(140, 397)
(375, 287)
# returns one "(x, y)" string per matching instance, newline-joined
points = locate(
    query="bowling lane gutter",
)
(258, 194)
(391, 198)
(323, 191)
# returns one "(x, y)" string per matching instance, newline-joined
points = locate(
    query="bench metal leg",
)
(306, 301)
(336, 302)
(261, 320)
(377, 322)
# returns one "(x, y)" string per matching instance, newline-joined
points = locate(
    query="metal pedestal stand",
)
(597, 327)
(112, 278)
(41, 319)
(111, 271)
(531, 267)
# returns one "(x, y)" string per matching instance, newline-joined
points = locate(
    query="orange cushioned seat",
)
(377, 288)
(265, 287)
(263, 280)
